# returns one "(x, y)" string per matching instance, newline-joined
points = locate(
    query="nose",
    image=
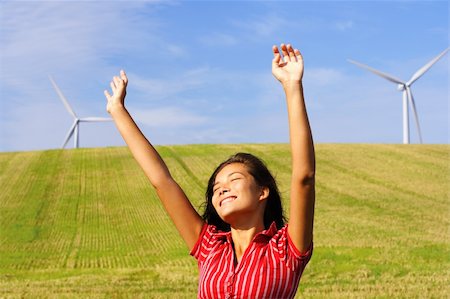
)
(223, 191)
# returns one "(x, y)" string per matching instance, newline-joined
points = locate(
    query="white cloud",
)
(176, 50)
(344, 25)
(74, 42)
(82, 44)
(54, 36)
(219, 39)
(167, 117)
(263, 26)
(255, 28)
(155, 89)
(37, 125)
(323, 76)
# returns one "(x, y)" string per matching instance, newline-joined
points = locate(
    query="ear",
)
(264, 193)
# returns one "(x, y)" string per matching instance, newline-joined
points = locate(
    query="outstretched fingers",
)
(113, 86)
(124, 77)
(298, 55)
(287, 63)
(107, 95)
(276, 52)
(117, 84)
(276, 56)
(284, 50)
(292, 56)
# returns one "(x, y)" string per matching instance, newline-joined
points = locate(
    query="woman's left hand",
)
(289, 67)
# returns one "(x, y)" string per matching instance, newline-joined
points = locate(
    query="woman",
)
(243, 247)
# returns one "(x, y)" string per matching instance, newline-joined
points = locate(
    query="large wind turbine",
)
(77, 120)
(405, 87)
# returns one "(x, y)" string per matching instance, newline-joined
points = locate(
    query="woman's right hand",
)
(119, 91)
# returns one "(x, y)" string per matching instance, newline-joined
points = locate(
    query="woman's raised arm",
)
(185, 217)
(289, 71)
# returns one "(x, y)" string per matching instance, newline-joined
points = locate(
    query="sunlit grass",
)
(86, 222)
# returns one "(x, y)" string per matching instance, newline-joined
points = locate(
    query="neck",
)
(242, 236)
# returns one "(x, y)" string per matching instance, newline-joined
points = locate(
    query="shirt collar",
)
(263, 236)
(266, 234)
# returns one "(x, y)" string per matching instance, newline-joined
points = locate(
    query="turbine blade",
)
(94, 119)
(416, 117)
(425, 68)
(62, 97)
(69, 134)
(377, 72)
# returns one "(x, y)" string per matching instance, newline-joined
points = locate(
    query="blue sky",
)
(200, 71)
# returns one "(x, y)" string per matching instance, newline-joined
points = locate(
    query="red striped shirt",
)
(270, 267)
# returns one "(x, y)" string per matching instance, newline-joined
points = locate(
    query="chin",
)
(228, 217)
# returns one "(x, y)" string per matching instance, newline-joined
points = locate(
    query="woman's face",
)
(236, 193)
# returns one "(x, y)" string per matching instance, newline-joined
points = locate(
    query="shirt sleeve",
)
(203, 245)
(289, 253)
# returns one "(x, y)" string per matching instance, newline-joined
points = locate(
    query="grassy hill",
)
(86, 222)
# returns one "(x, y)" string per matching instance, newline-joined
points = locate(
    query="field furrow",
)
(86, 223)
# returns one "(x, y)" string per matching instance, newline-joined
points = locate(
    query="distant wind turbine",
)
(405, 87)
(77, 120)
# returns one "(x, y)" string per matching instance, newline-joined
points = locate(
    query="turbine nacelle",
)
(401, 87)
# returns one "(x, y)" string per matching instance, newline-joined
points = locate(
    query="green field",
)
(86, 223)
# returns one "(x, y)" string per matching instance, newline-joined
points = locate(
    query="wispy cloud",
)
(74, 42)
(219, 39)
(255, 28)
(204, 73)
(51, 36)
(262, 26)
(176, 50)
(155, 89)
(323, 76)
(168, 117)
(344, 25)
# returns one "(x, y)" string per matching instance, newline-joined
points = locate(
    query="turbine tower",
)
(405, 88)
(75, 126)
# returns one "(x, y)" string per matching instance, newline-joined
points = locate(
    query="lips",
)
(227, 200)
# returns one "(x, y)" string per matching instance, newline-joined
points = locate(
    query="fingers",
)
(284, 50)
(116, 84)
(275, 51)
(289, 53)
(298, 55)
(124, 76)
(107, 95)
(276, 56)
(119, 82)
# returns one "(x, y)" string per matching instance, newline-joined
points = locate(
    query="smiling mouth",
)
(227, 200)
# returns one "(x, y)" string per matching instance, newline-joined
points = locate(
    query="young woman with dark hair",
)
(243, 247)
(273, 210)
